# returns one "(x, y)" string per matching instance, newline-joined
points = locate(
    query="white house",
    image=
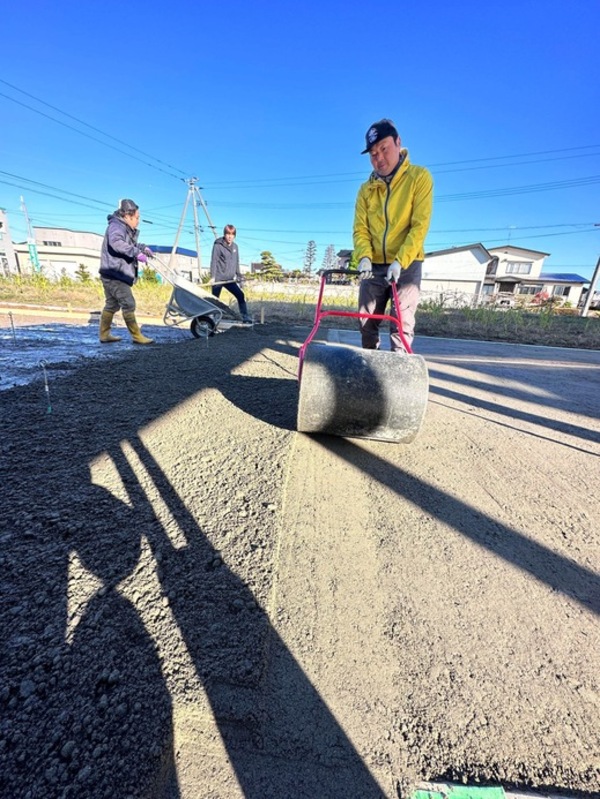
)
(456, 275)
(519, 272)
(502, 275)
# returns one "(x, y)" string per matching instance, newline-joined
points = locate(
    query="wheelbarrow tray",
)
(189, 301)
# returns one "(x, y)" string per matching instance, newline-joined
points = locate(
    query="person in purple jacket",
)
(119, 260)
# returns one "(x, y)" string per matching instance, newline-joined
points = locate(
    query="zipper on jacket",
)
(385, 216)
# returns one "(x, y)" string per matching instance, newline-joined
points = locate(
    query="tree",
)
(149, 275)
(310, 257)
(330, 260)
(271, 270)
(82, 274)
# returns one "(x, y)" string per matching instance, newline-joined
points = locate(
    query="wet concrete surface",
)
(43, 351)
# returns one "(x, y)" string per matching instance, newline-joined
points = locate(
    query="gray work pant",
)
(373, 296)
(117, 295)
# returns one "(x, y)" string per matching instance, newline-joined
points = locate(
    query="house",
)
(344, 257)
(455, 276)
(518, 272)
(504, 275)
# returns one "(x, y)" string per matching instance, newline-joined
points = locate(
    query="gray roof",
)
(474, 246)
(516, 247)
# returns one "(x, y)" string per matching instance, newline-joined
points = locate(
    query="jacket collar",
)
(377, 180)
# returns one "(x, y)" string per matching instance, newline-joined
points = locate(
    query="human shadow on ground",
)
(77, 714)
(556, 571)
(280, 737)
(497, 423)
(511, 412)
(539, 386)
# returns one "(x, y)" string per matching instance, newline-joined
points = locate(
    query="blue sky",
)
(267, 104)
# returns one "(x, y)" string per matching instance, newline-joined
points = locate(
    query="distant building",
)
(344, 257)
(8, 259)
(62, 251)
(457, 273)
(502, 275)
(473, 274)
(518, 272)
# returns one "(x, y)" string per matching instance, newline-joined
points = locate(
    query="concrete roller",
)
(358, 393)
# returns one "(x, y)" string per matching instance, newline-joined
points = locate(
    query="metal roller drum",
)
(358, 393)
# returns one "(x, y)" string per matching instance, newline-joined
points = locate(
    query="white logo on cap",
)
(372, 135)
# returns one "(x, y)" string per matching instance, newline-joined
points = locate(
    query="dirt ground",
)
(198, 602)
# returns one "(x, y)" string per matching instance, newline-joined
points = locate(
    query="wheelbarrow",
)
(189, 302)
(357, 393)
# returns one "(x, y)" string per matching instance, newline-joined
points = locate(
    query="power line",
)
(350, 177)
(47, 194)
(520, 155)
(54, 188)
(535, 187)
(323, 235)
(87, 135)
(473, 195)
(328, 232)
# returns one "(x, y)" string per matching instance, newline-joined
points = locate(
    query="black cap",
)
(378, 131)
(127, 207)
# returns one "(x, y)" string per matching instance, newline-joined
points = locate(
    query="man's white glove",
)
(393, 272)
(364, 266)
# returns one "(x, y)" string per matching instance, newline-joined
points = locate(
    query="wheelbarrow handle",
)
(338, 272)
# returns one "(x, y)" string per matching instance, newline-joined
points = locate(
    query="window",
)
(492, 266)
(561, 291)
(51, 243)
(518, 268)
(530, 289)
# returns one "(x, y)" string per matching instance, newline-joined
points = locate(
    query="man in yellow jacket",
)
(391, 220)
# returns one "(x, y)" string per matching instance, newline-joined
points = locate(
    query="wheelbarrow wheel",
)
(203, 326)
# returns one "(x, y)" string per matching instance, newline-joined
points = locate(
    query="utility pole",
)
(590, 294)
(194, 195)
(31, 245)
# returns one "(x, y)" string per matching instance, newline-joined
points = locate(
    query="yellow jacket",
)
(392, 220)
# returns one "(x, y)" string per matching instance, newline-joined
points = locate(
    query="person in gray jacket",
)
(225, 270)
(119, 260)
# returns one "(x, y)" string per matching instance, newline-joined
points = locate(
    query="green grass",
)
(296, 304)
